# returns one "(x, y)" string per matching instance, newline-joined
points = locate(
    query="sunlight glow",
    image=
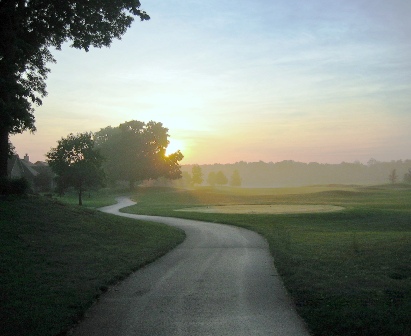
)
(174, 146)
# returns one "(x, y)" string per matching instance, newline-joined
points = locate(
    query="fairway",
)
(344, 247)
(264, 209)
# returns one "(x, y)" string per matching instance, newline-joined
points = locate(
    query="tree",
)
(407, 176)
(187, 179)
(135, 151)
(220, 178)
(76, 163)
(393, 176)
(235, 180)
(28, 29)
(197, 175)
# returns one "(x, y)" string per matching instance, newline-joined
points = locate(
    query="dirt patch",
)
(264, 209)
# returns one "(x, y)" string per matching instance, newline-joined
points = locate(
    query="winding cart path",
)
(220, 281)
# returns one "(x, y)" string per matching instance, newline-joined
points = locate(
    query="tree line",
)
(292, 173)
(219, 178)
(133, 151)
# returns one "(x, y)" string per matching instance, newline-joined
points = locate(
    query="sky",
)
(267, 80)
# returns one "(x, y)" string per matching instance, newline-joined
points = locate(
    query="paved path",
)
(220, 281)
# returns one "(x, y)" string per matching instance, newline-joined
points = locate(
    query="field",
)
(349, 272)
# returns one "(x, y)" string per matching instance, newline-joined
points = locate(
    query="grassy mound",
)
(56, 259)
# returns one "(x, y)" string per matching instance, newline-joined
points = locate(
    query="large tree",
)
(136, 151)
(76, 163)
(28, 29)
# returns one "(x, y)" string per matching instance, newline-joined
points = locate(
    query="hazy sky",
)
(318, 80)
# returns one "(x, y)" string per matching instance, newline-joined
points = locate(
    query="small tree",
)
(407, 176)
(393, 176)
(76, 163)
(220, 178)
(197, 175)
(235, 180)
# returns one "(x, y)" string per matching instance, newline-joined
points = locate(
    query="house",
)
(39, 174)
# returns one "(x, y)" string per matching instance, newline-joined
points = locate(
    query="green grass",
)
(56, 259)
(348, 272)
(93, 199)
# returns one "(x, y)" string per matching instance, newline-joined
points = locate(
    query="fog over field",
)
(290, 173)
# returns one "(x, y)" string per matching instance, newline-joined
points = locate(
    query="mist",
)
(293, 174)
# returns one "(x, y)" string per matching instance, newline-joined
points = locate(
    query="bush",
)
(16, 186)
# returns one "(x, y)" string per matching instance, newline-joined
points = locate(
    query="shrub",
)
(14, 186)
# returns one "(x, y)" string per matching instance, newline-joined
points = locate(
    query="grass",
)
(56, 259)
(93, 199)
(348, 272)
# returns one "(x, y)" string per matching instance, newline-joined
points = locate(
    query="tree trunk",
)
(4, 151)
(80, 194)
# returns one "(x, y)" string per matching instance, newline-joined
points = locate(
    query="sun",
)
(174, 146)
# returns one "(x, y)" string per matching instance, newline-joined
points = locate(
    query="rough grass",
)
(56, 259)
(348, 272)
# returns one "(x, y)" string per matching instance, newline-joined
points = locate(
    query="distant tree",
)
(197, 175)
(76, 163)
(235, 180)
(407, 176)
(372, 162)
(220, 178)
(28, 29)
(187, 179)
(211, 179)
(136, 151)
(393, 176)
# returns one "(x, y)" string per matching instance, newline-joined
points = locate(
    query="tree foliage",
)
(393, 176)
(218, 178)
(76, 163)
(407, 176)
(197, 175)
(221, 178)
(136, 151)
(235, 180)
(28, 29)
